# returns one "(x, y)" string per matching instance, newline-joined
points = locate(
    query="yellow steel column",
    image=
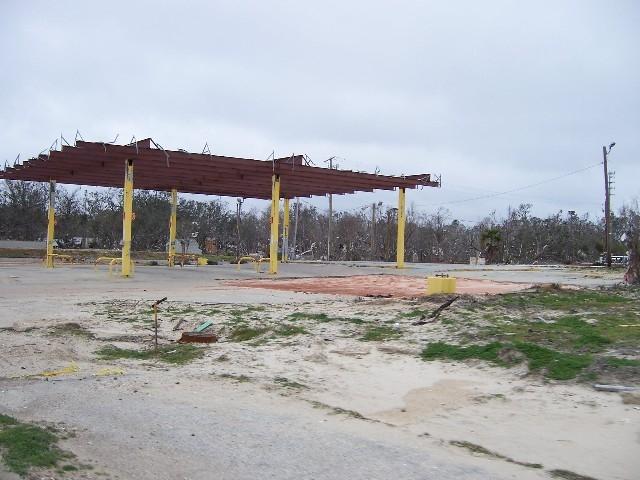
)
(285, 231)
(275, 218)
(172, 226)
(127, 219)
(401, 223)
(51, 224)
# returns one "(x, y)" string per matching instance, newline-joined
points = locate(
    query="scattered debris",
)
(614, 388)
(177, 325)
(154, 307)
(203, 326)
(68, 370)
(109, 372)
(198, 337)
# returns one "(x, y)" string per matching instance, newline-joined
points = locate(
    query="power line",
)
(481, 197)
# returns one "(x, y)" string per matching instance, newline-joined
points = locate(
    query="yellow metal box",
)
(449, 285)
(437, 285)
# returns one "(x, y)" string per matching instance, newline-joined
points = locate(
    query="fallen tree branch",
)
(442, 307)
(424, 322)
(436, 313)
(177, 326)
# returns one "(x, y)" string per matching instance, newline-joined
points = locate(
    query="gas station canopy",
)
(102, 164)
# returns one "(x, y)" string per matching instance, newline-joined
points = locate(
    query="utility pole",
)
(387, 242)
(373, 230)
(295, 227)
(238, 211)
(330, 160)
(607, 206)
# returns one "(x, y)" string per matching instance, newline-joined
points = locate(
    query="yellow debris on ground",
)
(68, 370)
(108, 371)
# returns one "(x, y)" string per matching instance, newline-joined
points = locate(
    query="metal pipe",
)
(173, 220)
(607, 211)
(251, 259)
(295, 228)
(275, 218)
(114, 261)
(238, 214)
(330, 217)
(401, 224)
(51, 224)
(285, 231)
(127, 219)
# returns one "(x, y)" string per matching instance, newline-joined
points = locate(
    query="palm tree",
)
(490, 241)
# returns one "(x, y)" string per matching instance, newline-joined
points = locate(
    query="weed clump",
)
(489, 352)
(559, 299)
(556, 365)
(417, 312)
(70, 328)
(235, 378)
(319, 317)
(243, 333)
(238, 313)
(479, 449)
(174, 354)
(568, 475)
(339, 410)
(290, 330)
(286, 383)
(379, 333)
(28, 446)
(622, 362)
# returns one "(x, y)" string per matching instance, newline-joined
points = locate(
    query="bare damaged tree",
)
(632, 242)
(520, 237)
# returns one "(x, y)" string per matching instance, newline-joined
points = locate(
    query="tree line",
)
(363, 234)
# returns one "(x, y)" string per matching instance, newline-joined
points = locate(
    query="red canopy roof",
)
(102, 164)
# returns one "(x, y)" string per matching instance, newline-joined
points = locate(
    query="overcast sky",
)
(490, 95)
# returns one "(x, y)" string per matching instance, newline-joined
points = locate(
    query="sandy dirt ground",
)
(322, 404)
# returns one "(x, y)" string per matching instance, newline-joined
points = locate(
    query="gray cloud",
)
(490, 95)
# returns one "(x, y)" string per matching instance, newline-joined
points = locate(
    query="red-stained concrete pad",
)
(399, 286)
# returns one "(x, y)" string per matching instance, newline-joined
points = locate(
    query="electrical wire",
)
(481, 197)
